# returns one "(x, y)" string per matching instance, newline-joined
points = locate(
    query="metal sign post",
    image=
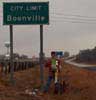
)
(11, 55)
(41, 56)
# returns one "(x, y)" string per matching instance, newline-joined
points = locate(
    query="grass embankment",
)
(81, 85)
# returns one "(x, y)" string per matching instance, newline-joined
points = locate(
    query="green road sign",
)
(25, 13)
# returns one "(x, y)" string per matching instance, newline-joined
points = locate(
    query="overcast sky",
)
(72, 28)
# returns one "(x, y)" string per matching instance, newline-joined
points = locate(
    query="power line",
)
(71, 15)
(62, 12)
(61, 18)
(58, 17)
(79, 22)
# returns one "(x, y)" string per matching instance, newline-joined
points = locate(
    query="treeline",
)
(15, 56)
(88, 55)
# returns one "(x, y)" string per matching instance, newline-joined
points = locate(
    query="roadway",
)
(81, 65)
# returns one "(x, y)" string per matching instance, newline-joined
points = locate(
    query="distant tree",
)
(16, 56)
(24, 56)
(87, 55)
(66, 54)
(2, 57)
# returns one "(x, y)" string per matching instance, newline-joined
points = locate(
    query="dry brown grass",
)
(81, 85)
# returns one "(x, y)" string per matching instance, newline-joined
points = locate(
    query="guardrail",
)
(18, 65)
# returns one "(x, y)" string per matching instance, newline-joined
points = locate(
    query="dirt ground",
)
(81, 85)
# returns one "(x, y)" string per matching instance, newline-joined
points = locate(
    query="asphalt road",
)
(81, 65)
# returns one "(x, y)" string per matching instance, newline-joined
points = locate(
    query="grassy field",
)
(81, 85)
